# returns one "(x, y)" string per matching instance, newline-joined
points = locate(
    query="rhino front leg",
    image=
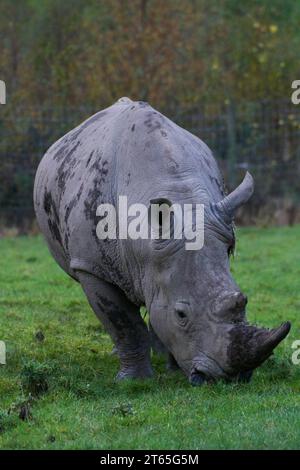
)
(158, 347)
(122, 320)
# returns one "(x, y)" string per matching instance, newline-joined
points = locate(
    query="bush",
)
(35, 377)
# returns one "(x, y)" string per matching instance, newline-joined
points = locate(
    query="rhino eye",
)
(181, 312)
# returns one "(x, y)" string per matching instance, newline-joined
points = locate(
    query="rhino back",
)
(157, 156)
(127, 149)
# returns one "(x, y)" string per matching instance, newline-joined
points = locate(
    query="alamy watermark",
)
(295, 98)
(2, 92)
(161, 221)
(296, 353)
(2, 353)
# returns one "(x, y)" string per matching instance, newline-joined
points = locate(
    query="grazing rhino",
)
(196, 310)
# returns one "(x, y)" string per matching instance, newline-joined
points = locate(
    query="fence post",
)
(232, 146)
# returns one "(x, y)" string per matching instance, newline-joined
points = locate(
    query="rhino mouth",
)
(249, 348)
(205, 369)
(199, 377)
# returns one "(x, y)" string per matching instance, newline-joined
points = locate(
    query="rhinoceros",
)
(197, 313)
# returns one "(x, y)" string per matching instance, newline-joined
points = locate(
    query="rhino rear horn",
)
(228, 206)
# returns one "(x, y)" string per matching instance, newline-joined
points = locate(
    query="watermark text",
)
(160, 221)
(2, 92)
(296, 353)
(296, 94)
(2, 353)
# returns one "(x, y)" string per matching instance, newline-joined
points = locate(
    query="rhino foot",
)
(245, 377)
(135, 372)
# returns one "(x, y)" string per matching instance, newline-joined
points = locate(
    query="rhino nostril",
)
(197, 378)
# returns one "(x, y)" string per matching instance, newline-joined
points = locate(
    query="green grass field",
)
(59, 392)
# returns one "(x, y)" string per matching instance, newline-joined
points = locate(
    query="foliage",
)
(80, 51)
(34, 377)
(199, 62)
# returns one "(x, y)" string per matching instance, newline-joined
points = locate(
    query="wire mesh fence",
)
(263, 137)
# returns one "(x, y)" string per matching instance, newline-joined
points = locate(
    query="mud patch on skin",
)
(67, 235)
(128, 179)
(48, 202)
(53, 219)
(111, 265)
(66, 168)
(153, 123)
(55, 231)
(97, 164)
(94, 195)
(170, 162)
(117, 316)
(215, 181)
(59, 154)
(92, 202)
(73, 203)
(89, 159)
(73, 137)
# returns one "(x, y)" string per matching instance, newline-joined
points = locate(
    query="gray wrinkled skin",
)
(196, 309)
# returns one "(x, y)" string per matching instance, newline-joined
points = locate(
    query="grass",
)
(57, 390)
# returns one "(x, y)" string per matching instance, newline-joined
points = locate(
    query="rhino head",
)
(196, 308)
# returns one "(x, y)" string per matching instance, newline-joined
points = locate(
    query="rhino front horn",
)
(251, 346)
(270, 340)
(262, 344)
(236, 198)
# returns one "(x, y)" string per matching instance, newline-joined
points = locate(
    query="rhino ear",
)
(160, 201)
(157, 213)
(228, 206)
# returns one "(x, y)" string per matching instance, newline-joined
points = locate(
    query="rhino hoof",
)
(245, 377)
(134, 373)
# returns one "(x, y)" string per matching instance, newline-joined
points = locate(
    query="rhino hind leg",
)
(123, 322)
